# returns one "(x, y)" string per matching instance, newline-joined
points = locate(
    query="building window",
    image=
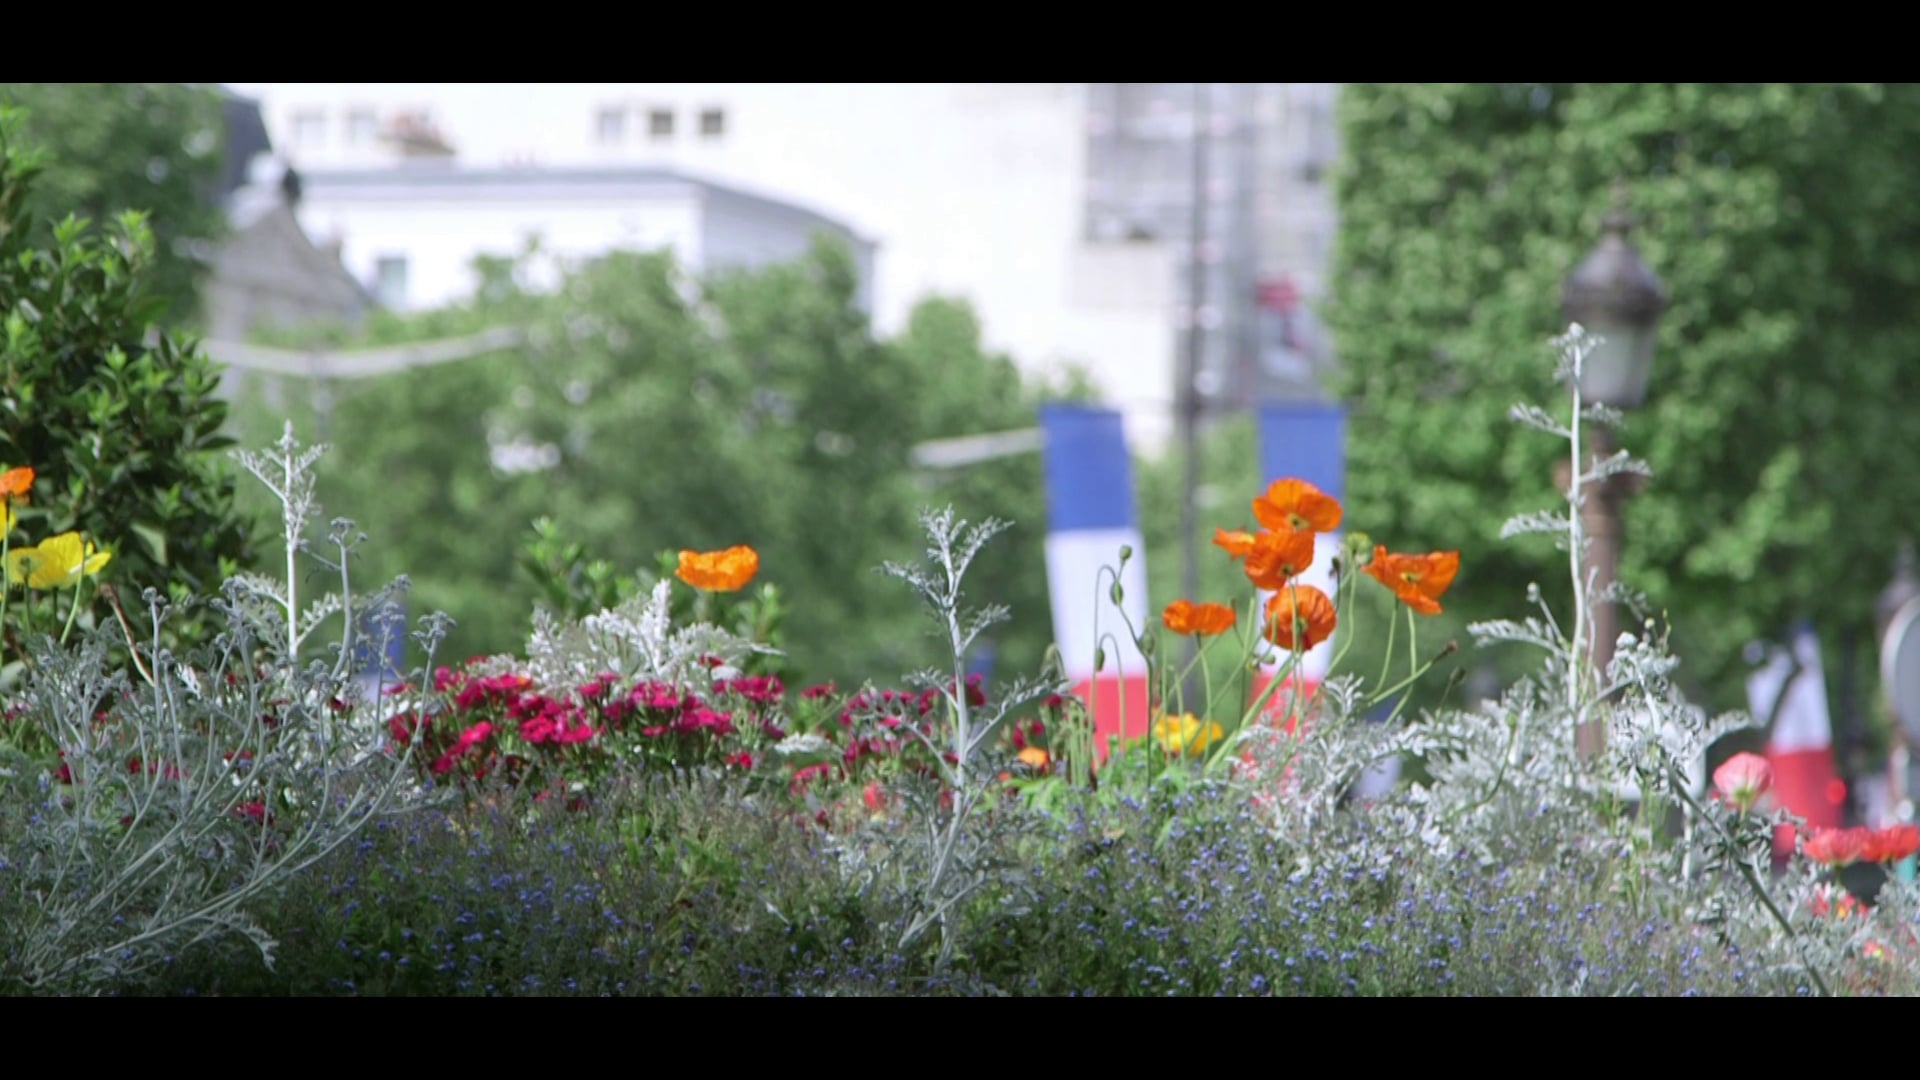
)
(713, 123)
(660, 123)
(363, 127)
(309, 127)
(612, 124)
(391, 285)
(1138, 173)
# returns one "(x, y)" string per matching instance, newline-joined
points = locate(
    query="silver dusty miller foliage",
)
(1506, 775)
(635, 640)
(948, 859)
(247, 766)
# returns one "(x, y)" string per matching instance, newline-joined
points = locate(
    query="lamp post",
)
(1192, 363)
(1616, 296)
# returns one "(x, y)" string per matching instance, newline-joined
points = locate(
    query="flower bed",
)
(641, 804)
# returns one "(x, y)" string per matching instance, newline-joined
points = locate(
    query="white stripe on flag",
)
(1803, 723)
(1317, 661)
(1079, 592)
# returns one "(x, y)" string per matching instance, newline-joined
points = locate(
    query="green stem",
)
(1349, 591)
(1413, 676)
(73, 609)
(1299, 632)
(1413, 637)
(1180, 681)
(1259, 703)
(1386, 660)
(1206, 681)
(6, 567)
(1247, 659)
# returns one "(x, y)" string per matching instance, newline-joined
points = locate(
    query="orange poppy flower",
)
(1416, 579)
(1277, 555)
(1891, 844)
(1297, 505)
(1035, 758)
(719, 571)
(1312, 621)
(1206, 620)
(1235, 543)
(15, 483)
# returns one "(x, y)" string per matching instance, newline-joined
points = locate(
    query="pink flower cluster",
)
(503, 723)
(505, 726)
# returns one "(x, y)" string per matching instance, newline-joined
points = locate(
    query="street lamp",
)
(1613, 294)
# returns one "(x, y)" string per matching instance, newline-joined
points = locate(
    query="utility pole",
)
(1189, 391)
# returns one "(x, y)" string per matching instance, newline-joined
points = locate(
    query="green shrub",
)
(119, 420)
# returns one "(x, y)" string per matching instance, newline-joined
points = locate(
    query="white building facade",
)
(984, 191)
(412, 231)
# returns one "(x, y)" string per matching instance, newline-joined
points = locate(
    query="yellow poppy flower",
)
(59, 562)
(1185, 734)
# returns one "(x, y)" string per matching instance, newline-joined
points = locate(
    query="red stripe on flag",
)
(1103, 698)
(1805, 784)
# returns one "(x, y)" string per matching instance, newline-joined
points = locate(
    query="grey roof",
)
(436, 180)
(246, 138)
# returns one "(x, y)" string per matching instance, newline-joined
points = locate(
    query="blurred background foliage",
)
(758, 407)
(120, 419)
(743, 408)
(111, 147)
(1779, 420)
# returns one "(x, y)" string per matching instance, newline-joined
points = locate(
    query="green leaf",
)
(153, 540)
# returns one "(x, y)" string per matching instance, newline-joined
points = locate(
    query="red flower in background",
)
(468, 739)
(1891, 844)
(404, 726)
(808, 776)
(1835, 847)
(1823, 904)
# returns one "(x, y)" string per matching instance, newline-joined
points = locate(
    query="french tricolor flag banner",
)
(1306, 440)
(1801, 745)
(1090, 516)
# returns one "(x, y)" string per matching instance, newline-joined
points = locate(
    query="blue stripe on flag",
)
(1089, 475)
(1307, 440)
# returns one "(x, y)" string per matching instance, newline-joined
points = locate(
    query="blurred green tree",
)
(1779, 216)
(154, 147)
(651, 411)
